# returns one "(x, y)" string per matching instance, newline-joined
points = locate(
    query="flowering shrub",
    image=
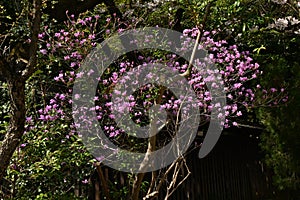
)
(68, 47)
(51, 149)
(61, 55)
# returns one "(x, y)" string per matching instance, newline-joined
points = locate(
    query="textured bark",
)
(16, 126)
(16, 88)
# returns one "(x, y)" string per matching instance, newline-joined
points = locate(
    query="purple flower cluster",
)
(70, 46)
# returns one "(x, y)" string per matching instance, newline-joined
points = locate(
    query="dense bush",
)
(51, 162)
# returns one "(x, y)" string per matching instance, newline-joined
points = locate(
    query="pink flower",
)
(234, 108)
(76, 34)
(42, 117)
(79, 75)
(73, 64)
(229, 96)
(108, 104)
(40, 36)
(57, 34)
(43, 51)
(23, 145)
(67, 57)
(205, 33)
(77, 96)
(29, 119)
(92, 36)
(62, 96)
(83, 41)
(82, 22)
(48, 108)
(220, 115)
(52, 101)
(239, 113)
(237, 85)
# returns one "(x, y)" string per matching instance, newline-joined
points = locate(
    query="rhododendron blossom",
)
(237, 70)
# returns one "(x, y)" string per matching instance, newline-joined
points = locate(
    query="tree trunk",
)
(16, 128)
(16, 88)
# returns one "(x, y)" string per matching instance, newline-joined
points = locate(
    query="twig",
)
(188, 174)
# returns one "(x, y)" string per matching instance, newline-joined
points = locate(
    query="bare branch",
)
(175, 187)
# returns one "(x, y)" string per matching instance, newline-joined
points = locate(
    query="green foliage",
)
(281, 139)
(247, 23)
(49, 165)
(277, 52)
(52, 162)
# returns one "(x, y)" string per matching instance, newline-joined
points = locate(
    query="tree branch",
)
(16, 90)
(37, 13)
(151, 148)
(200, 33)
